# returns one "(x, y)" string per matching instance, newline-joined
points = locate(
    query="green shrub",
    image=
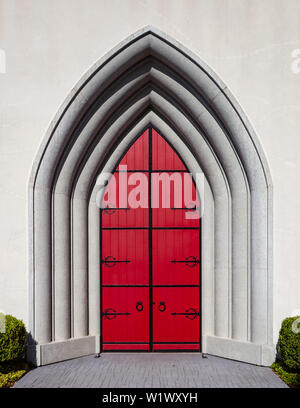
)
(7, 380)
(13, 340)
(292, 379)
(289, 346)
(11, 372)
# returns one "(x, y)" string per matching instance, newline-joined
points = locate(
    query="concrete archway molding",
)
(150, 79)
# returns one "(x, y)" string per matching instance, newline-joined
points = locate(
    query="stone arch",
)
(150, 79)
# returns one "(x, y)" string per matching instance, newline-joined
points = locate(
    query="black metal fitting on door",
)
(190, 313)
(110, 314)
(112, 210)
(162, 306)
(112, 261)
(190, 261)
(193, 208)
(139, 306)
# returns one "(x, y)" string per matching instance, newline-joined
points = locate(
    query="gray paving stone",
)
(142, 370)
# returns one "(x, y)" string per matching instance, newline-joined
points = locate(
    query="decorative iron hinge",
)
(112, 210)
(190, 261)
(185, 208)
(111, 261)
(190, 313)
(112, 314)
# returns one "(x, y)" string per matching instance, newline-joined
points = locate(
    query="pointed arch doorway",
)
(150, 252)
(150, 78)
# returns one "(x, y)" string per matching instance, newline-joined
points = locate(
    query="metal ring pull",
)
(162, 306)
(139, 306)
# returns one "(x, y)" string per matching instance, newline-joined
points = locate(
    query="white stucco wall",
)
(49, 44)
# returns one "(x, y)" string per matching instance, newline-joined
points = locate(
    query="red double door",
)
(150, 253)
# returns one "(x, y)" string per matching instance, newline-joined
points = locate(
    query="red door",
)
(150, 252)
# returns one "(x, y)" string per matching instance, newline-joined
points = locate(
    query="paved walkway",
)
(142, 370)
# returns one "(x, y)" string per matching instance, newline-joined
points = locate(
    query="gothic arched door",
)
(150, 252)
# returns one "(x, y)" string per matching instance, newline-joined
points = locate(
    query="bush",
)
(13, 340)
(7, 380)
(289, 346)
(292, 379)
(11, 372)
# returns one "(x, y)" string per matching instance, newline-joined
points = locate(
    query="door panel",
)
(126, 347)
(125, 259)
(163, 156)
(137, 157)
(118, 211)
(176, 257)
(177, 347)
(176, 315)
(169, 208)
(125, 316)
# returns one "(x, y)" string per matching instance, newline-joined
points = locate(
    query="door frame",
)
(150, 127)
(182, 95)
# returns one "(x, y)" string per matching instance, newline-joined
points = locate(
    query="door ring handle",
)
(139, 306)
(162, 306)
